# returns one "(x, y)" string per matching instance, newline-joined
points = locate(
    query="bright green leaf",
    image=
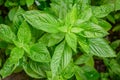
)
(39, 53)
(100, 47)
(29, 2)
(42, 21)
(6, 33)
(56, 59)
(71, 40)
(24, 33)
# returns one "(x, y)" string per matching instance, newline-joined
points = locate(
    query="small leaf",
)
(84, 45)
(24, 33)
(55, 39)
(16, 54)
(11, 13)
(6, 33)
(29, 2)
(39, 53)
(36, 67)
(56, 59)
(30, 72)
(104, 24)
(100, 47)
(71, 40)
(41, 21)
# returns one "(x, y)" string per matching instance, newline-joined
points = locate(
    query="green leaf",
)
(91, 30)
(39, 53)
(117, 5)
(36, 67)
(6, 33)
(86, 73)
(55, 39)
(29, 2)
(84, 45)
(8, 68)
(86, 14)
(103, 10)
(100, 47)
(67, 56)
(71, 17)
(11, 13)
(115, 44)
(104, 24)
(24, 33)
(68, 72)
(41, 21)
(71, 40)
(16, 54)
(30, 72)
(56, 59)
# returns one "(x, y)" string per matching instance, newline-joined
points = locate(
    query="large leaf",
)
(6, 33)
(91, 30)
(42, 21)
(56, 59)
(71, 40)
(100, 47)
(24, 33)
(103, 10)
(39, 53)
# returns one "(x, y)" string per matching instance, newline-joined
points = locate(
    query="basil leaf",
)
(71, 40)
(30, 72)
(36, 67)
(42, 21)
(56, 59)
(39, 53)
(91, 30)
(103, 10)
(6, 33)
(8, 68)
(100, 47)
(86, 73)
(24, 33)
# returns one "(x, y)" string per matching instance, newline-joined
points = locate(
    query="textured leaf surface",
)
(42, 21)
(56, 59)
(6, 33)
(24, 33)
(71, 40)
(39, 53)
(100, 47)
